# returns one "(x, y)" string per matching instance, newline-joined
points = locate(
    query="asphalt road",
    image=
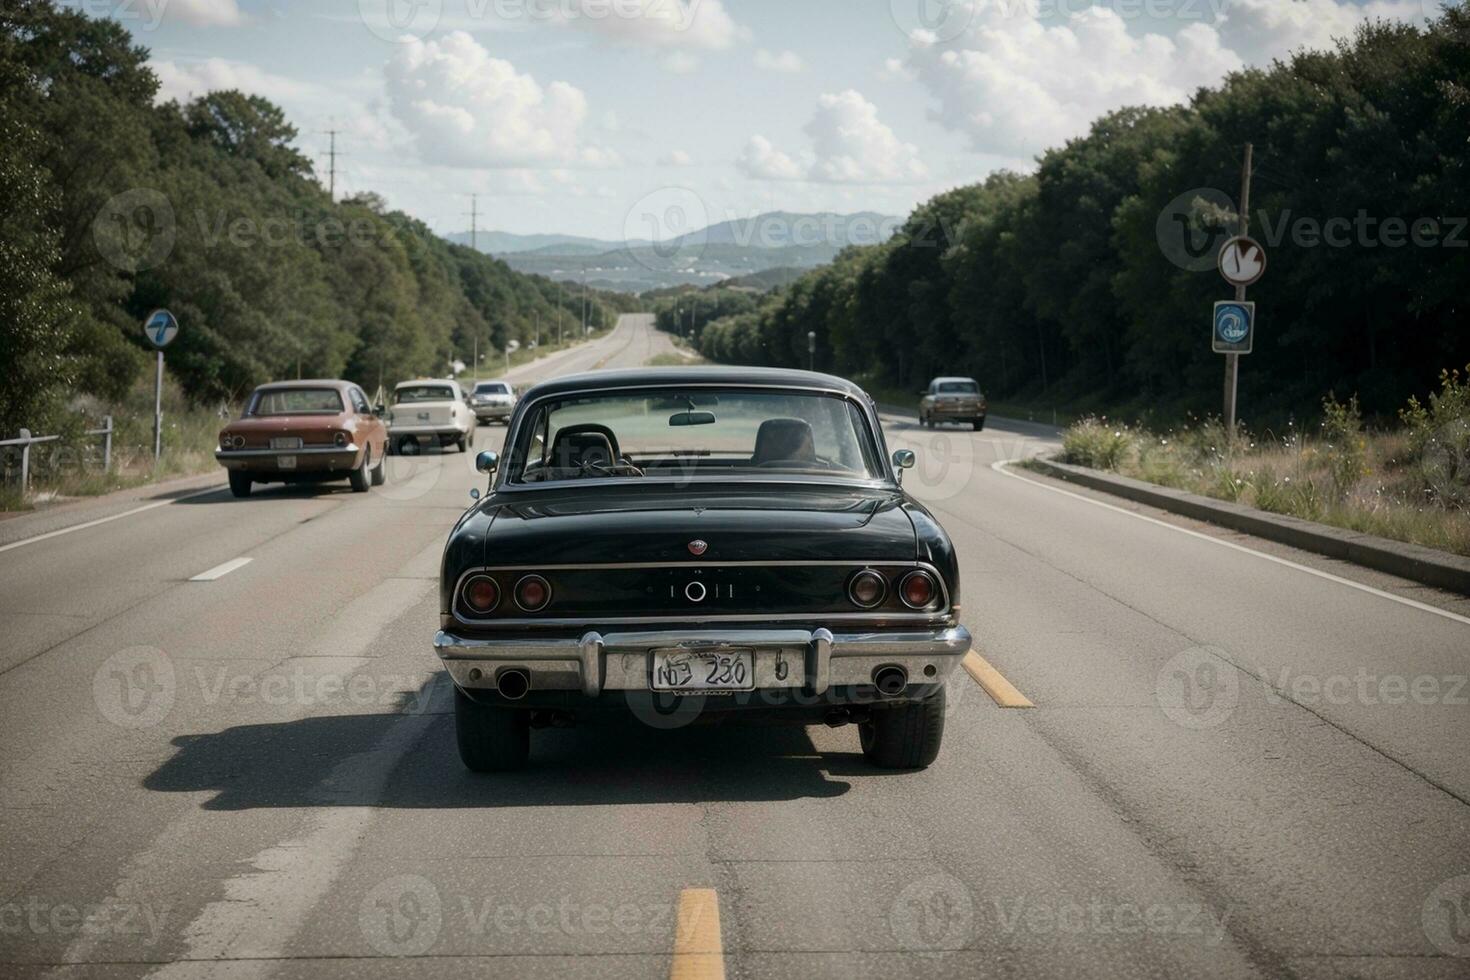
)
(1241, 761)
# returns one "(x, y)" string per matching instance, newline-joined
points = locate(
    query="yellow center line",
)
(1001, 691)
(698, 950)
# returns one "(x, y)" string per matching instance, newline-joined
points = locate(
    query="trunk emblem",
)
(697, 547)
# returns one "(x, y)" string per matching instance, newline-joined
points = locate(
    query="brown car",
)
(304, 432)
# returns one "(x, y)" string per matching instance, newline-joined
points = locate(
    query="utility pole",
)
(584, 304)
(558, 310)
(475, 222)
(332, 166)
(1232, 361)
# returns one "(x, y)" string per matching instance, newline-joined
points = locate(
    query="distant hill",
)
(735, 249)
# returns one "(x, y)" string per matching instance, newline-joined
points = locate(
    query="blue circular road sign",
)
(160, 328)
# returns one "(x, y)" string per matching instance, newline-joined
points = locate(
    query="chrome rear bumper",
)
(814, 660)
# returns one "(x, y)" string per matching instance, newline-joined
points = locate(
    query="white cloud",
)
(850, 145)
(1260, 30)
(760, 159)
(654, 23)
(676, 158)
(184, 80)
(464, 108)
(679, 62)
(201, 13)
(779, 61)
(894, 70)
(1017, 85)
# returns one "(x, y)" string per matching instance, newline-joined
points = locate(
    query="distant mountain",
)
(740, 247)
(509, 243)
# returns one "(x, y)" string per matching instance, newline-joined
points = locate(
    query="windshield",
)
(958, 388)
(725, 433)
(491, 388)
(296, 401)
(423, 393)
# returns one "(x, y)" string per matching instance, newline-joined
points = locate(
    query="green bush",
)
(1346, 449)
(1097, 443)
(1439, 440)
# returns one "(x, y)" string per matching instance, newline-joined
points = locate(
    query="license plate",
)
(285, 462)
(286, 442)
(700, 670)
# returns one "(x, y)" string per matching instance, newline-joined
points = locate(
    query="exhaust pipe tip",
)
(513, 684)
(890, 680)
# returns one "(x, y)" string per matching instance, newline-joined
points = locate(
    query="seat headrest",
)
(784, 439)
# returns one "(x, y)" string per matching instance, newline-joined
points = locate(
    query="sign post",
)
(1241, 262)
(160, 328)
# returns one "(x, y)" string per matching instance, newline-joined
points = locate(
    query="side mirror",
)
(488, 462)
(380, 409)
(903, 459)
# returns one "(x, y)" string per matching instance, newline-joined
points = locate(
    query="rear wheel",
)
(380, 472)
(491, 738)
(979, 425)
(239, 483)
(408, 446)
(906, 736)
(360, 478)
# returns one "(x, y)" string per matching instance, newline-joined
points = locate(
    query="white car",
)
(433, 411)
(493, 401)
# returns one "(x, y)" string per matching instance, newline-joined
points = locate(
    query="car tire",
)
(979, 425)
(408, 446)
(360, 478)
(460, 444)
(904, 736)
(491, 738)
(380, 472)
(239, 483)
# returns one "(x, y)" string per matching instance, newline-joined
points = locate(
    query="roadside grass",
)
(1410, 484)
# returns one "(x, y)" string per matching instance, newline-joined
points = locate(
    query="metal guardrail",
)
(26, 441)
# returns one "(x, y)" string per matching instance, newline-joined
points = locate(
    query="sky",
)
(648, 118)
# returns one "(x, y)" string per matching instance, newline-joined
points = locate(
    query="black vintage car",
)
(696, 543)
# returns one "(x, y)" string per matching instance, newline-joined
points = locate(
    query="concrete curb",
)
(1410, 561)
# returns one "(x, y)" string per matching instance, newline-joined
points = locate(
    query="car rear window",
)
(423, 393)
(296, 401)
(958, 388)
(491, 388)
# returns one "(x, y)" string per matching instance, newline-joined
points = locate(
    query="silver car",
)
(492, 401)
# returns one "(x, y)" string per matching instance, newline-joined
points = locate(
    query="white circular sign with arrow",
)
(1242, 261)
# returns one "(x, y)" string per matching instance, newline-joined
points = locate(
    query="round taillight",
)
(224, 440)
(533, 593)
(239, 442)
(867, 588)
(918, 590)
(481, 594)
(340, 438)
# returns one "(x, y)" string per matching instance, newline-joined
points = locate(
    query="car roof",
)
(956, 378)
(307, 383)
(426, 381)
(695, 375)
